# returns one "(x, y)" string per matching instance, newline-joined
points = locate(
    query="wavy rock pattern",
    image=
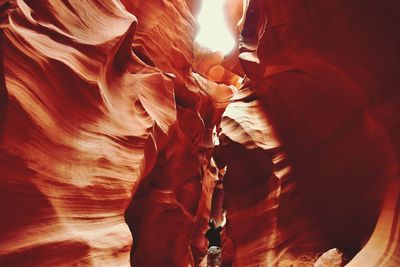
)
(109, 117)
(310, 138)
(105, 121)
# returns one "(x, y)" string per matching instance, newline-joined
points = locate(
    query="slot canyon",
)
(122, 133)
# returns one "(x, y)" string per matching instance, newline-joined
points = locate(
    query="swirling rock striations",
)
(104, 126)
(310, 139)
(109, 118)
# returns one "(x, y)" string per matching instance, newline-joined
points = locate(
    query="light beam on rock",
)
(214, 33)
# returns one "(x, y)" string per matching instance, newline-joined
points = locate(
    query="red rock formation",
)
(309, 139)
(210, 65)
(107, 122)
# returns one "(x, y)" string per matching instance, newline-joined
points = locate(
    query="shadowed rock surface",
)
(110, 117)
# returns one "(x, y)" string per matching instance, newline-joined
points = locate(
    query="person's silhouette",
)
(214, 253)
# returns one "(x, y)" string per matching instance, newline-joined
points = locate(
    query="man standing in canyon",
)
(214, 253)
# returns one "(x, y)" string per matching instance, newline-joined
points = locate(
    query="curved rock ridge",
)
(104, 127)
(119, 138)
(68, 163)
(165, 33)
(310, 139)
(172, 205)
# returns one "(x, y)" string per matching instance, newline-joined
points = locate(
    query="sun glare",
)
(214, 33)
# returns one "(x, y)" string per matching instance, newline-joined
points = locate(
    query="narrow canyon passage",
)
(126, 124)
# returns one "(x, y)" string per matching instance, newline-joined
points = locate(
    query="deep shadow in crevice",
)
(3, 91)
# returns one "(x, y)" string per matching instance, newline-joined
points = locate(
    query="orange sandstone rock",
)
(309, 141)
(104, 128)
(109, 117)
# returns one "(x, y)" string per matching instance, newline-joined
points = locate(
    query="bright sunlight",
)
(214, 33)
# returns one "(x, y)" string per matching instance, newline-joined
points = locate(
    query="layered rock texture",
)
(311, 138)
(119, 136)
(105, 120)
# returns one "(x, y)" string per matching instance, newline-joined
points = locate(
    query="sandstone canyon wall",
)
(311, 138)
(109, 118)
(104, 117)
